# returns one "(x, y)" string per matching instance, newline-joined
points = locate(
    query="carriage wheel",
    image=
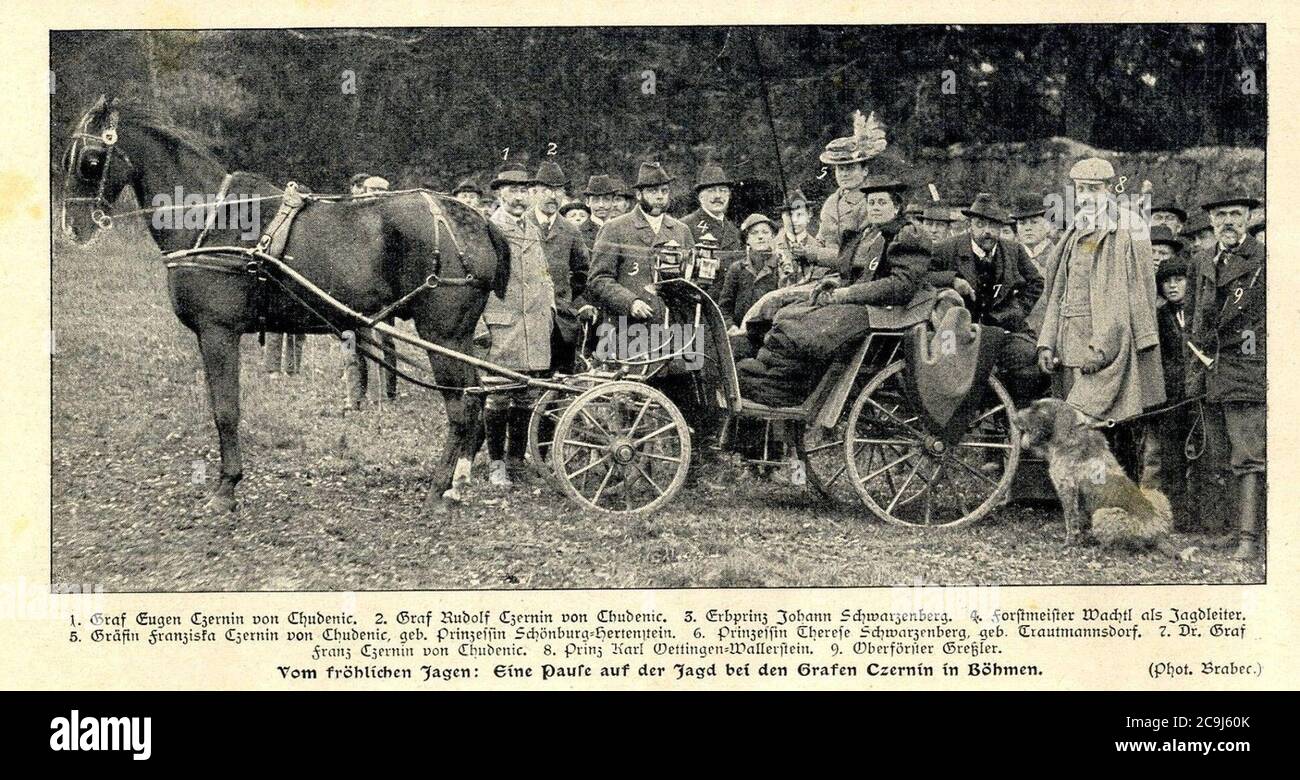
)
(541, 432)
(821, 450)
(906, 476)
(622, 448)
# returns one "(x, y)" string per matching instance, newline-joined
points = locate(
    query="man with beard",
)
(566, 257)
(709, 222)
(601, 196)
(1000, 285)
(1228, 332)
(518, 327)
(1096, 322)
(622, 272)
(1032, 228)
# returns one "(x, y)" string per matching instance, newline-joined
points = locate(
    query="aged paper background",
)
(35, 653)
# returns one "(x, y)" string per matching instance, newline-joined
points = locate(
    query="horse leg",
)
(463, 419)
(220, 350)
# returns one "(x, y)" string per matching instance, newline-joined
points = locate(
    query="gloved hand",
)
(1047, 361)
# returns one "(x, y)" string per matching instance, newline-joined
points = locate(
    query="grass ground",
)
(331, 501)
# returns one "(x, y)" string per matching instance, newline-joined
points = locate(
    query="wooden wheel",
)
(907, 476)
(622, 448)
(821, 450)
(541, 432)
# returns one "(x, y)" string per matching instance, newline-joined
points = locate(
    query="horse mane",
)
(156, 120)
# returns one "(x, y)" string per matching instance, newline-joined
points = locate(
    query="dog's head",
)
(1043, 420)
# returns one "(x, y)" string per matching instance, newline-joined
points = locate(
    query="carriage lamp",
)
(706, 258)
(669, 262)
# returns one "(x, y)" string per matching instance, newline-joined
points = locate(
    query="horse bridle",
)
(108, 140)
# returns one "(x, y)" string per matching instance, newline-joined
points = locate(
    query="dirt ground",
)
(332, 501)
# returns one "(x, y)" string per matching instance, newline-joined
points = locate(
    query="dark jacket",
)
(875, 278)
(567, 258)
(1173, 347)
(731, 248)
(622, 261)
(1006, 288)
(1228, 325)
(744, 285)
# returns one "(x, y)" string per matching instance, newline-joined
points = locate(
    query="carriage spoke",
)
(647, 478)
(910, 475)
(587, 444)
(991, 445)
(657, 432)
(976, 472)
(987, 415)
(896, 419)
(632, 430)
(588, 467)
(884, 442)
(886, 467)
(657, 456)
(595, 423)
(601, 489)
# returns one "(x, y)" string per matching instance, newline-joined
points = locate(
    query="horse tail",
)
(501, 279)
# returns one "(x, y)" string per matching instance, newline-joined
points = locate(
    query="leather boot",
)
(1247, 509)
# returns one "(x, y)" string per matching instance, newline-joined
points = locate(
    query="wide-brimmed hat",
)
(882, 183)
(1160, 234)
(986, 206)
(513, 174)
(551, 174)
(937, 214)
(601, 184)
(1170, 207)
(651, 174)
(467, 185)
(711, 175)
(574, 206)
(844, 151)
(1174, 266)
(756, 219)
(1230, 197)
(1092, 169)
(1028, 206)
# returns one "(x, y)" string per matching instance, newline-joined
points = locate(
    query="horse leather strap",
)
(212, 215)
(273, 242)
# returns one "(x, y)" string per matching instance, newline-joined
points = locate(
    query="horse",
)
(366, 251)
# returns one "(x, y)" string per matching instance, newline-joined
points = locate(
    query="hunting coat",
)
(519, 325)
(568, 260)
(1228, 324)
(1007, 285)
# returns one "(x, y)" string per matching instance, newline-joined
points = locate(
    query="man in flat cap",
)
(1033, 230)
(602, 196)
(518, 326)
(1096, 322)
(709, 224)
(566, 257)
(1228, 333)
(999, 284)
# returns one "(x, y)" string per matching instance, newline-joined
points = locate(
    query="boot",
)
(1248, 546)
(495, 422)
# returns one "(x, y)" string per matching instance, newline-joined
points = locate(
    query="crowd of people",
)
(1146, 317)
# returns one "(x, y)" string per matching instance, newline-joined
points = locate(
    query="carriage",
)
(612, 442)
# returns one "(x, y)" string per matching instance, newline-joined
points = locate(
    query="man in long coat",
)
(1096, 321)
(518, 326)
(1229, 331)
(566, 257)
(709, 223)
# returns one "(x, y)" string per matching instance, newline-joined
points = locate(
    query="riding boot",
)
(496, 421)
(1248, 506)
(517, 442)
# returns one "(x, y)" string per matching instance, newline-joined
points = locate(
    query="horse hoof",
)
(221, 505)
(453, 495)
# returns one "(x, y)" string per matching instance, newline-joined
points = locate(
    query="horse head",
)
(95, 171)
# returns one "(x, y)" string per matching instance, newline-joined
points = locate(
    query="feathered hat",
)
(867, 141)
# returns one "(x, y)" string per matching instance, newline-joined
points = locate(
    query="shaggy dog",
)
(1090, 482)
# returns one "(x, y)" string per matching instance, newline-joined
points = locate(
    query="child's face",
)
(799, 217)
(1161, 252)
(759, 236)
(1174, 288)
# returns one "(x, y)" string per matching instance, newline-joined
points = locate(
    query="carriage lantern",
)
(670, 262)
(706, 258)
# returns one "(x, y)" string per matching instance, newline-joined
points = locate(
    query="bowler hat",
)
(511, 174)
(756, 219)
(937, 214)
(551, 174)
(986, 206)
(574, 206)
(651, 174)
(1174, 266)
(1161, 234)
(711, 175)
(1092, 169)
(601, 184)
(913, 209)
(1170, 207)
(1196, 223)
(467, 185)
(1028, 205)
(1230, 197)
